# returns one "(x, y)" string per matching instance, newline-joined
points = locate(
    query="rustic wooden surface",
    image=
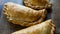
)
(8, 28)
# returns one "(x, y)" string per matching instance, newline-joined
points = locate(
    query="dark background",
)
(8, 28)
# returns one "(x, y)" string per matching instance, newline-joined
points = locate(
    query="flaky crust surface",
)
(22, 15)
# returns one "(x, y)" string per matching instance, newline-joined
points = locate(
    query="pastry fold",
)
(46, 27)
(21, 15)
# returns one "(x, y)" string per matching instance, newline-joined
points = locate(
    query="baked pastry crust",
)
(22, 15)
(46, 27)
(37, 4)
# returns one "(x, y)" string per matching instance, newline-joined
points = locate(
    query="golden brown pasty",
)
(37, 4)
(22, 15)
(46, 27)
